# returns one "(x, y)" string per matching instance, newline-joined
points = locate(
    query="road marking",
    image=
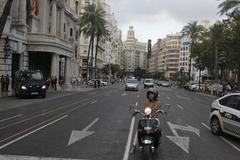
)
(180, 107)
(136, 104)
(19, 115)
(206, 126)
(224, 139)
(138, 96)
(93, 102)
(232, 145)
(19, 138)
(134, 144)
(127, 147)
(182, 142)
(78, 135)
(168, 98)
(124, 94)
(15, 157)
(182, 97)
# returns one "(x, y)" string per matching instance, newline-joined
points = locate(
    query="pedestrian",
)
(52, 82)
(7, 80)
(55, 83)
(3, 82)
(48, 82)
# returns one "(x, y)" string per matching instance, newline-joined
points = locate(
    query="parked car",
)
(132, 84)
(29, 83)
(148, 83)
(225, 115)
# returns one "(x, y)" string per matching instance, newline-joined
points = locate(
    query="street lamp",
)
(7, 49)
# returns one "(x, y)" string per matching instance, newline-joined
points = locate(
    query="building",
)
(135, 52)
(109, 49)
(45, 38)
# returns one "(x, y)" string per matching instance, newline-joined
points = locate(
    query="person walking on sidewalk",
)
(7, 80)
(3, 82)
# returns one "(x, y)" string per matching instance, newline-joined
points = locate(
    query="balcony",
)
(39, 42)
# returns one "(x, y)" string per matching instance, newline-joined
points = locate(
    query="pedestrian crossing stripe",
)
(15, 157)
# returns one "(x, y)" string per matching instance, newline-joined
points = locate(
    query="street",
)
(97, 125)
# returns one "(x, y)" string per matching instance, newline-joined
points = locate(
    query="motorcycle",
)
(148, 131)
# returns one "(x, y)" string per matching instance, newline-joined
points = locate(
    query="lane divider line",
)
(2, 120)
(180, 107)
(19, 138)
(224, 139)
(93, 102)
(127, 147)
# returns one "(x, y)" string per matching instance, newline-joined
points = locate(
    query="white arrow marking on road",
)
(78, 135)
(124, 94)
(182, 142)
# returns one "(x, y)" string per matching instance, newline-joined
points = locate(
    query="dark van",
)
(29, 83)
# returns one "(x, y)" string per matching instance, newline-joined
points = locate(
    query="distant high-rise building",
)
(135, 52)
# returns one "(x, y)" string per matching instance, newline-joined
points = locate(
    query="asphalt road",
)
(98, 125)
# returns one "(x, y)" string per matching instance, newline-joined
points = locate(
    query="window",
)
(85, 52)
(231, 101)
(71, 32)
(76, 5)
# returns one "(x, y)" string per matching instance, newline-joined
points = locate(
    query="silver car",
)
(131, 84)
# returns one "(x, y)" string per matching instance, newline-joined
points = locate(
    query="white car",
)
(148, 83)
(225, 115)
(104, 83)
(131, 84)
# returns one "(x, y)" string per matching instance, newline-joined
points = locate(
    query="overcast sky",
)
(153, 19)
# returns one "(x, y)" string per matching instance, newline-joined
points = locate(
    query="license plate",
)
(34, 93)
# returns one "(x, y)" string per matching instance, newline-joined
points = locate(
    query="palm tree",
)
(3, 18)
(195, 31)
(93, 23)
(232, 6)
(87, 27)
(101, 32)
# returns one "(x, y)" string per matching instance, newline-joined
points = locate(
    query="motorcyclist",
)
(154, 104)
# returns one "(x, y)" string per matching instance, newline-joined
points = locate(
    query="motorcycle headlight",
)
(43, 87)
(24, 87)
(147, 111)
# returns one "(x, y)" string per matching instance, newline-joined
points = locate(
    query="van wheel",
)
(44, 96)
(215, 126)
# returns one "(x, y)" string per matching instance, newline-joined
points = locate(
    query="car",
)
(148, 83)
(29, 83)
(131, 84)
(165, 84)
(104, 82)
(225, 115)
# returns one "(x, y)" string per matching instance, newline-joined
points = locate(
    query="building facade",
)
(45, 38)
(135, 52)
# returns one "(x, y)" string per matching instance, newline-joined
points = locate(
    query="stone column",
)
(54, 17)
(61, 23)
(67, 71)
(23, 13)
(55, 65)
(44, 11)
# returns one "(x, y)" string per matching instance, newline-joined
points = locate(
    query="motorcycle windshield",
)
(148, 123)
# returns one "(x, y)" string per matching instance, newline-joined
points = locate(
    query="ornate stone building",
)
(44, 38)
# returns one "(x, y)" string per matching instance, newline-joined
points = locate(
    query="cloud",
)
(160, 16)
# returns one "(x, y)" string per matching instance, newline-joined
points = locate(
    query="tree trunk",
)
(4, 16)
(96, 53)
(89, 47)
(92, 47)
(216, 64)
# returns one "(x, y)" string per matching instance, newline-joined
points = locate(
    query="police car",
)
(225, 115)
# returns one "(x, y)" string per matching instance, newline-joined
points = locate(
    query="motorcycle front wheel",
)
(147, 153)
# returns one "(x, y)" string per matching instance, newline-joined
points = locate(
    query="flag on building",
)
(35, 7)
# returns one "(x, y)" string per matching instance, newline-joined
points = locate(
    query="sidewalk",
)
(82, 88)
